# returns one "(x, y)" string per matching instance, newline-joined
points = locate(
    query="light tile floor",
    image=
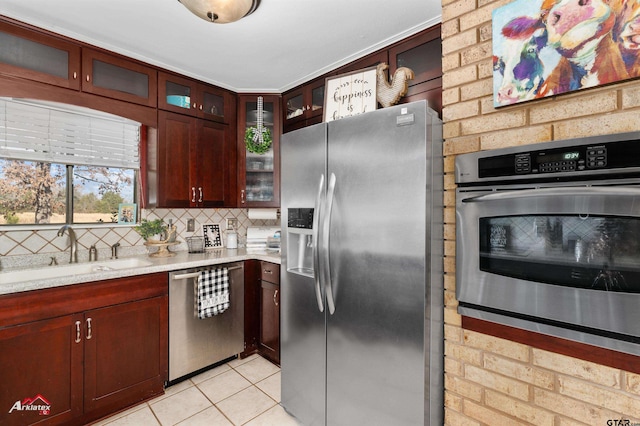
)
(241, 392)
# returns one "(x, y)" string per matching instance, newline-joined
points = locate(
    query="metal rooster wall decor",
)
(389, 93)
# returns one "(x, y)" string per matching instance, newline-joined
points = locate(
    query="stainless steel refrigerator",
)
(361, 276)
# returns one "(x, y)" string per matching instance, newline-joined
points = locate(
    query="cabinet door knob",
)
(242, 196)
(201, 107)
(193, 194)
(75, 75)
(275, 298)
(88, 78)
(267, 271)
(201, 194)
(89, 330)
(78, 332)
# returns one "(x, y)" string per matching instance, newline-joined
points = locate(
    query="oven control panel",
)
(596, 157)
(569, 159)
(552, 161)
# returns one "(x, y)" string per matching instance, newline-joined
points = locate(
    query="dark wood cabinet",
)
(85, 350)
(41, 361)
(269, 337)
(193, 158)
(367, 62)
(122, 353)
(187, 96)
(423, 54)
(116, 77)
(262, 310)
(259, 173)
(195, 153)
(39, 57)
(303, 106)
(251, 307)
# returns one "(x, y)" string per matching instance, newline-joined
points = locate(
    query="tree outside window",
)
(36, 192)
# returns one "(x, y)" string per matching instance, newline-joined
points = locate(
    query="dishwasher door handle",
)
(185, 276)
(197, 274)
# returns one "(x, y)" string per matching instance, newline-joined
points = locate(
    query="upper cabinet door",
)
(303, 106)
(368, 61)
(305, 102)
(177, 94)
(212, 165)
(316, 107)
(423, 54)
(32, 55)
(294, 106)
(259, 172)
(175, 170)
(118, 78)
(215, 104)
(187, 96)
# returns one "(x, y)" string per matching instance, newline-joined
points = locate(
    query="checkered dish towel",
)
(212, 292)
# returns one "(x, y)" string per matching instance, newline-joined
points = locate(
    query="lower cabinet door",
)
(41, 372)
(270, 321)
(125, 354)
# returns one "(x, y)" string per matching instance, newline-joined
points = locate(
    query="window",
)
(98, 191)
(61, 165)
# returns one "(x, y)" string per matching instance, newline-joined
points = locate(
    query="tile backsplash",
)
(20, 248)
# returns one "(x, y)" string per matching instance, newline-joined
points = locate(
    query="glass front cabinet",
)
(118, 78)
(303, 106)
(38, 57)
(258, 161)
(186, 96)
(421, 53)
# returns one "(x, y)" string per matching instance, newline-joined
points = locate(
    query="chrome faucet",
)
(73, 242)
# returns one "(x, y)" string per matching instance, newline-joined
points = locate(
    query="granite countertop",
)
(182, 260)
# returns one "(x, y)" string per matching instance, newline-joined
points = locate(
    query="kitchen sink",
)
(47, 272)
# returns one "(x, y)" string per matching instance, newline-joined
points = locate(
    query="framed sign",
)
(350, 94)
(212, 235)
(127, 213)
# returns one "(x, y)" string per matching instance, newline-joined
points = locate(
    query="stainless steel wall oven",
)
(548, 239)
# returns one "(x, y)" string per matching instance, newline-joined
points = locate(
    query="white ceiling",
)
(282, 44)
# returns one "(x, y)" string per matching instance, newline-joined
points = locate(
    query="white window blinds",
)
(58, 133)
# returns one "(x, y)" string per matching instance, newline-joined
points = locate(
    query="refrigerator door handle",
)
(316, 246)
(325, 243)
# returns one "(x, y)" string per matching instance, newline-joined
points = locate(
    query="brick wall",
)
(492, 381)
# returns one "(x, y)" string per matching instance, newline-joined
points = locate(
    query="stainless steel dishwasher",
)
(194, 343)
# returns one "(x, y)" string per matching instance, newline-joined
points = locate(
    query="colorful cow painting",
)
(548, 47)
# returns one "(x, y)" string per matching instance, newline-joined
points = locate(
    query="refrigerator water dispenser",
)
(300, 241)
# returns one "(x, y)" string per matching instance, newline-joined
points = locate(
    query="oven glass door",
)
(569, 256)
(575, 250)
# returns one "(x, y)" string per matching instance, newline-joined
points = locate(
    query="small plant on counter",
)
(149, 228)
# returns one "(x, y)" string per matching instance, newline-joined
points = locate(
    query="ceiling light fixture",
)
(221, 11)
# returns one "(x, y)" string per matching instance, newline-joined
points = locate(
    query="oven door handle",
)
(608, 191)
